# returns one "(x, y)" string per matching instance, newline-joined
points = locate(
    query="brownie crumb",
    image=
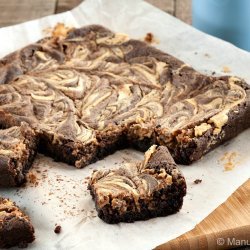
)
(60, 30)
(33, 179)
(226, 69)
(197, 181)
(229, 160)
(58, 229)
(150, 38)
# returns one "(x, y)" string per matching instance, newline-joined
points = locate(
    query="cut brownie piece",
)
(139, 191)
(212, 111)
(17, 151)
(15, 227)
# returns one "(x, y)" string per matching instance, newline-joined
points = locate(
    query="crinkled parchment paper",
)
(57, 193)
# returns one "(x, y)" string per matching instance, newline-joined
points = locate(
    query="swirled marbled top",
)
(94, 80)
(134, 181)
(12, 142)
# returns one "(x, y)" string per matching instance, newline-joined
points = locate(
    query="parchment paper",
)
(57, 192)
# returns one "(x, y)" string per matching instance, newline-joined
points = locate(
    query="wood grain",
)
(183, 10)
(31, 9)
(166, 5)
(229, 222)
(65, 5)
(17, 11)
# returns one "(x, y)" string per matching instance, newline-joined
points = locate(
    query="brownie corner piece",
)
(139, 191)
(17, 151)
(15, 227)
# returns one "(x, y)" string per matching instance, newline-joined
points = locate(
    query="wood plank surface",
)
(222, 229)
(166, 5)
(65, 5)
(32, 9)
(183, 10)
(18, 11)
(231, 220)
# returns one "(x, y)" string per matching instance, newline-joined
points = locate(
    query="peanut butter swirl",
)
(9, 208)
(12, 142)
(95, 80)
(135, 181)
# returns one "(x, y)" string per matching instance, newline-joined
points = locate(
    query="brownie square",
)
(17, 151)
(139, 191)
(15, 227)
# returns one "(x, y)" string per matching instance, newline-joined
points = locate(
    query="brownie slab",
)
(17, 151)
(139, 191)
(15, 227)
(95, 91)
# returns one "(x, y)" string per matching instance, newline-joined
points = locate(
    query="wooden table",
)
(17, 11)
(232, 218)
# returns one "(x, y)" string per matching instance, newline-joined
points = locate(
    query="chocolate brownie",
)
(139, 191)
(15, 227)
(95, 91)
(17, 151)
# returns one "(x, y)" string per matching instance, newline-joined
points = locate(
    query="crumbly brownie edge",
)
(9, 175)
(68, 151)
(107, 143)
(238, 121)
(31, 141)
(16, 230)
(168, 199)
(111, 140)
(7, 172)
(171, 204)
